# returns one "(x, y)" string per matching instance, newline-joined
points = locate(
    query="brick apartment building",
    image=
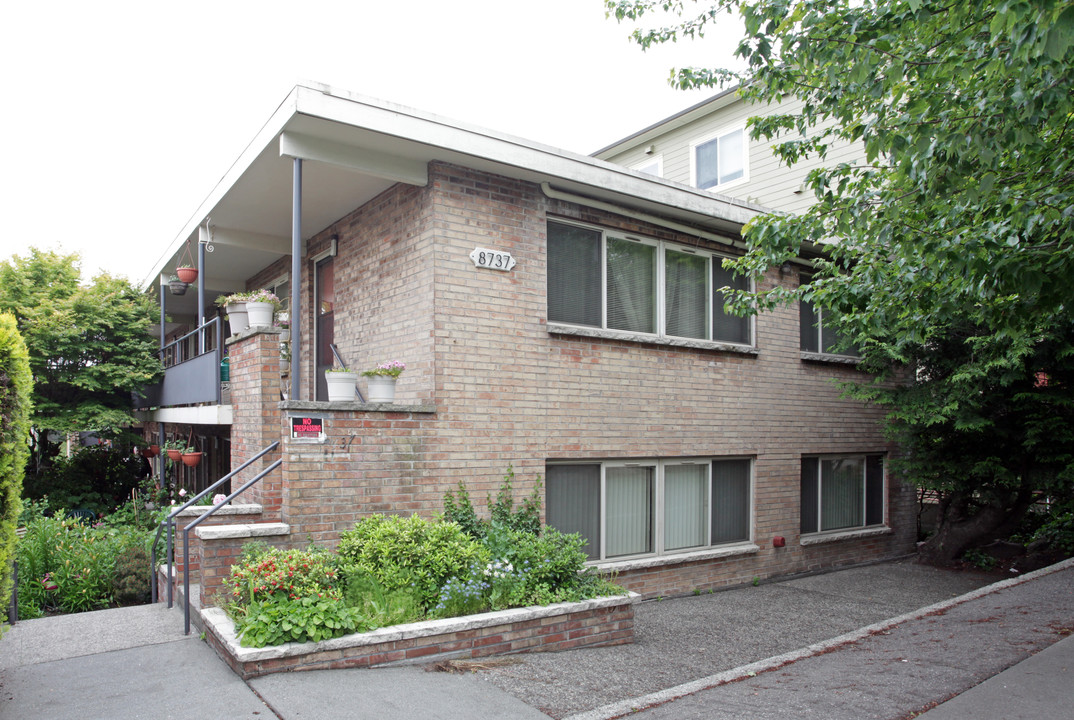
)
(558, 314)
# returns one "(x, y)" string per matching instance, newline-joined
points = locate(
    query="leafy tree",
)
(89, 344)
(15, 388)
(949, 245)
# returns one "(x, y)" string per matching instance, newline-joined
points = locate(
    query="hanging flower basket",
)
(174, 454)
(177, 287)
(149, 453)
(187, 274)
(191, 459)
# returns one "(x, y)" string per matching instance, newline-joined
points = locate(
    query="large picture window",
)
(604, 280)
(720, 159)
(627, 509)
(843, 492)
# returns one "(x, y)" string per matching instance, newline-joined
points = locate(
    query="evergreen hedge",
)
(16, 384)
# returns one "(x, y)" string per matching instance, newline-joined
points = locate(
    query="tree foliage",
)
(949, 245)
(15, 390)
(89, 344)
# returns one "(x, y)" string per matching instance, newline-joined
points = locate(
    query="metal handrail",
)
(169, 522)
(199, 330)
(191, 526)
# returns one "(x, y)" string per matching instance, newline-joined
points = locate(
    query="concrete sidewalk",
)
(778, 650)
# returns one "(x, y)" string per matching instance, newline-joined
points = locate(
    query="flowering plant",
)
(263, 296)
(393, 369)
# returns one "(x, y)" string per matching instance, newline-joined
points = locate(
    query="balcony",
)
(192, 390)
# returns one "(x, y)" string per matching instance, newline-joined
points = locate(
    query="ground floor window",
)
(842, 492)
(645, 507)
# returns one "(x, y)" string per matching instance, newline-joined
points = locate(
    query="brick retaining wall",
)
(564, 626)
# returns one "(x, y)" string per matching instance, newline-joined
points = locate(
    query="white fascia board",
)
(541, 160)
(367, 162)
(201, 415)
(268, 132)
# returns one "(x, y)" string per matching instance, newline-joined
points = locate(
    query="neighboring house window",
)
(719, 159)
(650, 507)
(651, 166)
(604, 280)
(840, 493)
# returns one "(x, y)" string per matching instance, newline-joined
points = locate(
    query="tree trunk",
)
(958, 530)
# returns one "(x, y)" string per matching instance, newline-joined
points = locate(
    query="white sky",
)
(119, 116)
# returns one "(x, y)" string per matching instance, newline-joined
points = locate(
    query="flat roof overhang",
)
(356, 148)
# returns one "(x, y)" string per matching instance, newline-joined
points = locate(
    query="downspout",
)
(296, 276)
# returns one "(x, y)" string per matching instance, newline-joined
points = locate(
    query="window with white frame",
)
(842, 492)
(720, 159)
(650, 507)
(651, 166)
(614, 281)
(816, 335)
(281, 288)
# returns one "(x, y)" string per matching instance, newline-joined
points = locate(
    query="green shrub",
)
(460, 510)
(68, 566)
(378, 607)
(1057, 532)
(276, 619)
(411, 553)
(130, 581)
(16, 385)
(291, 574)
(462, 513)
(97, 478)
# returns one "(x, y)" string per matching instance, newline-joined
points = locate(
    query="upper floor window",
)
(647, 507)
(720, 159)
(651, 166)
(617, 282)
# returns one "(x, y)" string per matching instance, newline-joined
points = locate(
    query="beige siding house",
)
(708, 146)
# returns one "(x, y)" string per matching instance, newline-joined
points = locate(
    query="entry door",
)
(325, 319)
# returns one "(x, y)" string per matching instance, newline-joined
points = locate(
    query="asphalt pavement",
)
(891, 640)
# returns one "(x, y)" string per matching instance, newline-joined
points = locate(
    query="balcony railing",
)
(191, 369)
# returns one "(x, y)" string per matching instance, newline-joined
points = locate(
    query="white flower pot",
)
(381, 388)
(260, 313)
(237, 318)
(341, 386)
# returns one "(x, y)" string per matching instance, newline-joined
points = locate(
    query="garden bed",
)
(561, 626)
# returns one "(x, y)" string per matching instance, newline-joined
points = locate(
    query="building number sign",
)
(492, 259)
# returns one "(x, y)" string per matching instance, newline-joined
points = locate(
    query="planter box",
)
(563, 626)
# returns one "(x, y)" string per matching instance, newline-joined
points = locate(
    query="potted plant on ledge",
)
(235, 308)
(381, 381)
(341, 383)
(261, 305)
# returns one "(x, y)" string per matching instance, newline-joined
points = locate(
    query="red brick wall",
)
(565, 630)
(255, 398)
(506, 391)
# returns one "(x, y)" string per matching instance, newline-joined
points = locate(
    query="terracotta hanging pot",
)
(187, 274)
(174, 454)
(149, 453)
(191, 459)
